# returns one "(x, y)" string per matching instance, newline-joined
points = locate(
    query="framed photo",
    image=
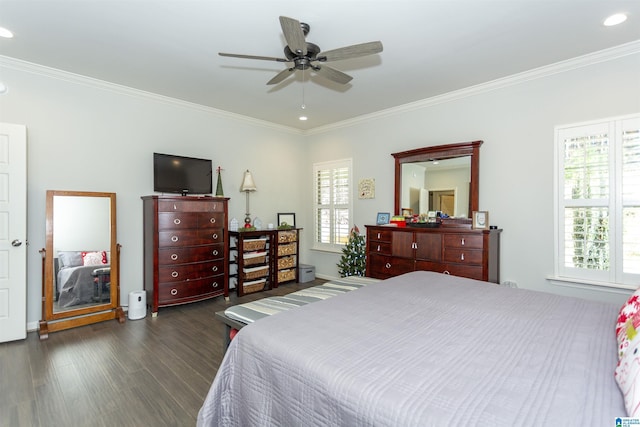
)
(288, 218)
(480, 220)
(367, 188)
(383, 218)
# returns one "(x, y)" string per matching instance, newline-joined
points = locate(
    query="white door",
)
(13, 232)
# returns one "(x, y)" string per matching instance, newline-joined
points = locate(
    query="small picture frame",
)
(288, 218)
(383, 218)
(407, 212)
(480, 220)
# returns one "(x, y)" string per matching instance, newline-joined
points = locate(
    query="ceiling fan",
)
(306, 55)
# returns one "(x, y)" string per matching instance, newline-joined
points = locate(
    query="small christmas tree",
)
(352, 262)
(219, 191)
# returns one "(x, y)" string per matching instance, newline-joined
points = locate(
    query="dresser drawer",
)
(197, 270)
(176, 220)
(463, 256)
(377, 247)
(175, 292)
(473, 241)
(210, 220)
(380, 235)
(190, 237)
(169, 256)
(468, 271)
(204, 205)
(381, 266)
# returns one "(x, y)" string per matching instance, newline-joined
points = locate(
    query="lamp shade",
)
(247, 182)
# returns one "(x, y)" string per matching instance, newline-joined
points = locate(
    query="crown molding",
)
(605, 55)
(29, 67)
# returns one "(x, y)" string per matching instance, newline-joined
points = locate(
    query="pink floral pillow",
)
(627, 376)
(94, 258)
(628, 310)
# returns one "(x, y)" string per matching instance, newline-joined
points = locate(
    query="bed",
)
(82, 277)
(423, 349)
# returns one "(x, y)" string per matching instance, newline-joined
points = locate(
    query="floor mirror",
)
(81, 261)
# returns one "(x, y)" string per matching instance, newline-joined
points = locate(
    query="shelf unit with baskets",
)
(286, 249)
(251, 254)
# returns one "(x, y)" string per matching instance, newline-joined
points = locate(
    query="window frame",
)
(332, 246)
(615, 276)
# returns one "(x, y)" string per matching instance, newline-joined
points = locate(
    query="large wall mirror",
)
(441, 178)
(81, 261)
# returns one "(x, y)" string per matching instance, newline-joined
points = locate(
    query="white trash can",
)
(137, 305)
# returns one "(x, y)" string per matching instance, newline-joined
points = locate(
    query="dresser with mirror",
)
(442, 178)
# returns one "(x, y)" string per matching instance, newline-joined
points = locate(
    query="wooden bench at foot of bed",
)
(239, 316)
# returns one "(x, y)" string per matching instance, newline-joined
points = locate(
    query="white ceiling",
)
(430, 47)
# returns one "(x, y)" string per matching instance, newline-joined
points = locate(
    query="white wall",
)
(82, 136)
(516, 123)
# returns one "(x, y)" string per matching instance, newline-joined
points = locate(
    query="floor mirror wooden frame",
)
(105, 306)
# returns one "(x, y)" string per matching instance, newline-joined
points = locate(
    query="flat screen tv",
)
(183, 175)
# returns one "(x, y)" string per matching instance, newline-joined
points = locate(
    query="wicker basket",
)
(286, 275)
(287, 249)
(286, 262)
(287, 236)
(254, 258)
(254, 286)
(254, 244)
(255, 272)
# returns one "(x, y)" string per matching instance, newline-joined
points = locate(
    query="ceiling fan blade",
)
(264, 58)
(280, 76)
(352, 51)
(332, 74)
(294, 35)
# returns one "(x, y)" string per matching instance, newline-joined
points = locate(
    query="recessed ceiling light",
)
(616, 19)
(303, 118)
(5, 33)
(3, 88)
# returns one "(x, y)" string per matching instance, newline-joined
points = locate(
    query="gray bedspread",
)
(423, 349)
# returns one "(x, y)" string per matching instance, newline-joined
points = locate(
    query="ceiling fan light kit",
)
(305, 55)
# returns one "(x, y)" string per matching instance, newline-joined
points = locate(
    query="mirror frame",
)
(441, 152)
(61, 320)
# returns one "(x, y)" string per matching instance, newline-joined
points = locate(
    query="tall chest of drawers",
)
(459, 251)
(185, 249)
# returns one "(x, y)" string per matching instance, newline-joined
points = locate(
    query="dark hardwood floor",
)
(148, 372)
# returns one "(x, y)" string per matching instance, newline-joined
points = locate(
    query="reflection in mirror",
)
(437, 185)
(81, 248)
(81, 261)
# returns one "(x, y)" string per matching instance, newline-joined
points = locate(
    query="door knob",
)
(16, 243)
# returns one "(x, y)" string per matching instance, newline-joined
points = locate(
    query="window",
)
(332, 204)
(598, 203)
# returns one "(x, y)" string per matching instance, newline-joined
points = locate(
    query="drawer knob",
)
(446, 272)
(174, 257)
(177, 221)
(174, 238)
(174, 274)
(378, 235)
(461, 257)
(215, 268)
(378, 248)
(175, 207)
(174, 292)
(215, 236)
(212, 220)
(462, 242)
(387, 265)
(214, 285)
(215, 252)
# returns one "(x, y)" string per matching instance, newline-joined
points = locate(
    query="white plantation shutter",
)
(332, 203)
(631, 197)
(599, 201)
